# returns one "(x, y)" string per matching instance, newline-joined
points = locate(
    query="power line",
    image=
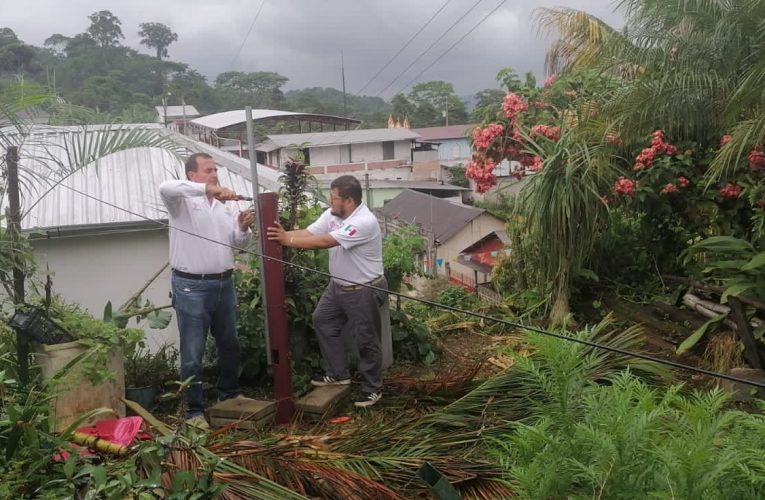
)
(436, 305)
(446, 32)
(252, 25)
(403, 47)
(451, 47)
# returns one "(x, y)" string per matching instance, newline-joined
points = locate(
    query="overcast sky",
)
(302, 39)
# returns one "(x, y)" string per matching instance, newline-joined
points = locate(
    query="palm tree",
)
(692, 67)
(562, 208)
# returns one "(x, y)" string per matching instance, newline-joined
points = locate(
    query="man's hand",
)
(277, 233)
(246, 218)
(221, 193)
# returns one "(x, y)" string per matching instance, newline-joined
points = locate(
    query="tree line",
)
(94, 70)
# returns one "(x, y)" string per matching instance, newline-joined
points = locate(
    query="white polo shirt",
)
(189, 210)
(358, 257)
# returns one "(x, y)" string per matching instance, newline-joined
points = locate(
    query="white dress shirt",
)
(189, 211)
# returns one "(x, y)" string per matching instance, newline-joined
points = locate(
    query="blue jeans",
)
(202, 305)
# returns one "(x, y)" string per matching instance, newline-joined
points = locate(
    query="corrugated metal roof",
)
(128, 179)
(442, 217)
(238, 116)
(450, 132)
(177, 111)
(315, 139)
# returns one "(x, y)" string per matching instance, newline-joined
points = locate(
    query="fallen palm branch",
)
(376, 457)
(456, 380)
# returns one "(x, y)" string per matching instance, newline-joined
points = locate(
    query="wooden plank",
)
(242, 424)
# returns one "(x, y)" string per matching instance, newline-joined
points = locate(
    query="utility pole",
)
(14, 227)
(342, 70)
(183, 105)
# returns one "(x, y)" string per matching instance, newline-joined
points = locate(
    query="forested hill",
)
(95, 70)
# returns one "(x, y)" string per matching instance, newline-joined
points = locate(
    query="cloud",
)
(302, 39)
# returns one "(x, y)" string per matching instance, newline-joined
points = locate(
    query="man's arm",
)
(300, 238)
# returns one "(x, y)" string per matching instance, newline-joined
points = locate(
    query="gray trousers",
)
(360, 309)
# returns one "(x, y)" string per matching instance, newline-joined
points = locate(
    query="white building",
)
(101, 232)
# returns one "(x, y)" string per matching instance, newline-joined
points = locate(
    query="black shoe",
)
(322, 380)
(368, 399)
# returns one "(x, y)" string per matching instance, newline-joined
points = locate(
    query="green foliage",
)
(457, 176)
(734, 262)
(413, 342)
(99, 337)
(158, 36)
(628, 440)
(426, 102)
(400, 249)
(105, 28)
(145, 368)
(456, 296)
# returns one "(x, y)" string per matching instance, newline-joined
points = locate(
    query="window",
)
(388, 150)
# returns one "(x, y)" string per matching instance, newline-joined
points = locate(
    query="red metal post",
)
(276, 311)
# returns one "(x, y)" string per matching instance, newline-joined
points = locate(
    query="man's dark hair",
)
(347, 187)
(192, 164)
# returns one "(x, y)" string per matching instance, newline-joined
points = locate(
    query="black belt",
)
(351, 288)
(209, 276)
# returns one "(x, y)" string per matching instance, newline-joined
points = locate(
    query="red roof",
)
(450, 132)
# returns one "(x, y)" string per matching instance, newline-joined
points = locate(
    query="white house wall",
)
(365, 152)
(472, 232)
(92, 270)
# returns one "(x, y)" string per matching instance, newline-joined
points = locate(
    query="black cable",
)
(540, 331)
(446, 32)
(403, 47)
(451, 47)
(252, 25)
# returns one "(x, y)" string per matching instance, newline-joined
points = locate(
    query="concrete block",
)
(322, 402)
(243, 413)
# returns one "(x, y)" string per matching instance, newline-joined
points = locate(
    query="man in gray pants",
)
(351, 233)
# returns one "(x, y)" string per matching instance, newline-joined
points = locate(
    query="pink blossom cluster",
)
(683, 182)
(551, 132)
(625, 186)
(725, 139)
(513, 104)
(668, 189)
(482, 172)
(550, 81)
(756, 160)
(536, 164)
(658, 146)
(731, 191)
(483, 137)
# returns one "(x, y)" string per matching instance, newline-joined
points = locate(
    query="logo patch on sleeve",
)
(349, 230)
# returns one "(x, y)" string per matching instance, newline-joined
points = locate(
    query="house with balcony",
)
(341, 151)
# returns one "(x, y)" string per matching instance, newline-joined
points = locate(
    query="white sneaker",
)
(367, 399)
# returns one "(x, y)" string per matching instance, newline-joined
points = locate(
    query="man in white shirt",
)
(203, 294)
(351, 233)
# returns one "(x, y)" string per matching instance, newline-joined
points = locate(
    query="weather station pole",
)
(272, 288)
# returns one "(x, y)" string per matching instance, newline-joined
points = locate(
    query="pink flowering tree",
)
(560, 209)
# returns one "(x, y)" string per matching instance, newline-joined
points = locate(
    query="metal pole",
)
(183, 104)
(342, 65)
(260, 240)
(14, 226)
